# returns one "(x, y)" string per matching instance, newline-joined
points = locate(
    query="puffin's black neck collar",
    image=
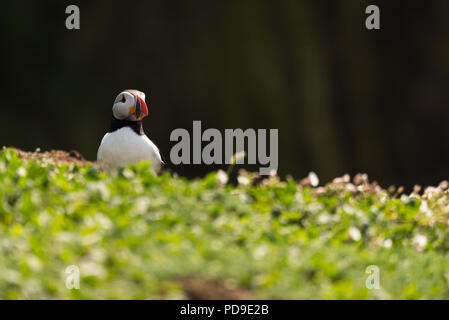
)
(137, 126)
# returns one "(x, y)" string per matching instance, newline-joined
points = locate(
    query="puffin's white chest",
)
(124, 147)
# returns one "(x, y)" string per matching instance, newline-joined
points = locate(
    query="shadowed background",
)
(344, 99)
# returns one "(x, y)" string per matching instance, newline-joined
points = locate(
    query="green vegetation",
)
(134, 235)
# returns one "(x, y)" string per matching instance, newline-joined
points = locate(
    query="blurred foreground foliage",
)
(134, 235)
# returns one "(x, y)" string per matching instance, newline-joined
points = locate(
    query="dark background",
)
(345, 99)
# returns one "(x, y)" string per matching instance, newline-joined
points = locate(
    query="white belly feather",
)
(124, 147)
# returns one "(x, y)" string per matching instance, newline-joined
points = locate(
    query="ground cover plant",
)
(134, 235)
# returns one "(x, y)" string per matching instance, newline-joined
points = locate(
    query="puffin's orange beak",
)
(141, 109)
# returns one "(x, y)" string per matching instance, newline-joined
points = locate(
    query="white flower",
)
(89, 268)
(354, 234)
(324, 218)
(260, 252)
(419, 242)
(21, 172)
(425, 208)
(388, 243)
(222, 177)
(351, 188)
(314, 181)
(128, 174)
(243, 180)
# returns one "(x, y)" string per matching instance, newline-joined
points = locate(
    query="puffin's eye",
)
(123, 99)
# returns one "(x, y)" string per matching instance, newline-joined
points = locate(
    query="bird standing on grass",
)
(126, 143)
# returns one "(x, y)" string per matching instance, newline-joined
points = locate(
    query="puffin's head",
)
(130, 105)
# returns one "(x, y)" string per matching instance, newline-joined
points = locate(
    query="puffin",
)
(126, 142)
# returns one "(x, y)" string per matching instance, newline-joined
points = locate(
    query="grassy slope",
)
(134, 235)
